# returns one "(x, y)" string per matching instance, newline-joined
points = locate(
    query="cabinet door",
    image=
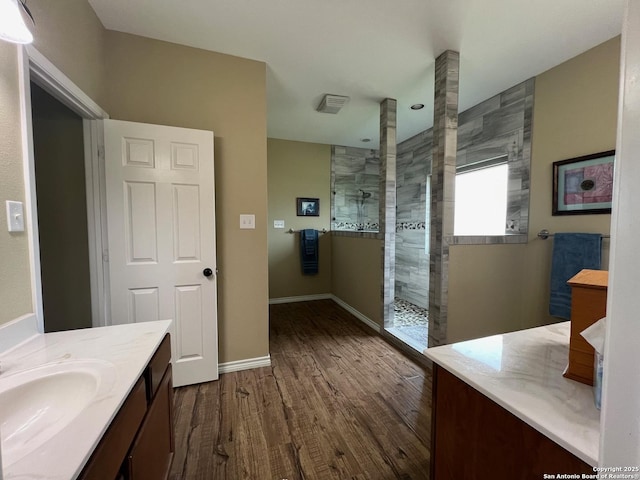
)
(475, 438)
(112, 449)
(152, 451)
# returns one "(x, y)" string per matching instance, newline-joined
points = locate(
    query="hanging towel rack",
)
(291, 230)
(544, 234)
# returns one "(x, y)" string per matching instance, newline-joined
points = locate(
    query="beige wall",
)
(297, 169)
(168, 84)
(15, 276)
(145, 80)
(356, 274)
(575, 112)
(70, 35)
(485, 291)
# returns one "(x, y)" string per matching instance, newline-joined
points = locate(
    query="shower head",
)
(365, 194)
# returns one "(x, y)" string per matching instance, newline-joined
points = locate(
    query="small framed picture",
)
(308, 207)
(583, 185)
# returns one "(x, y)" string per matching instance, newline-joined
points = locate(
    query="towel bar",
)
(544, 234)
(291, 230)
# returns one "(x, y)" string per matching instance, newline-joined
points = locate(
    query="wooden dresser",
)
(588, 305)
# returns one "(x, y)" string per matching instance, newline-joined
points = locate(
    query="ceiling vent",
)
(332, 103)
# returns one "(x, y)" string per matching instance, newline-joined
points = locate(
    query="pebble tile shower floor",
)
(410, 324)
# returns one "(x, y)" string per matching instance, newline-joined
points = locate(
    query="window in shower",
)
(481, 198)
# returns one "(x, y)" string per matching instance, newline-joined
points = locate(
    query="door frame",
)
(33, 66)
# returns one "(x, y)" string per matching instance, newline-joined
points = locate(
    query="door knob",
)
(207, 272)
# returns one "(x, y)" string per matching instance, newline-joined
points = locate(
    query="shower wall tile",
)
(352, 170)
(412, 263)
(499, 126)
(443, 172)
(388, 191)
(513, 94)
(480, 110)
(469, 132)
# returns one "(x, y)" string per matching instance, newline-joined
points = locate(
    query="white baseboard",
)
(246, 364)
(301, 298)
(17, 331)
(360, 316)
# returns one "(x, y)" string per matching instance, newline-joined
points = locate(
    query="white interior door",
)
(161, 224)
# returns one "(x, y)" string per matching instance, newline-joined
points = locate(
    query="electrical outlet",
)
(247, 221)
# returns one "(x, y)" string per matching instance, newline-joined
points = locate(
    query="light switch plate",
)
(15, 216)
(278, 224)
(247, 221)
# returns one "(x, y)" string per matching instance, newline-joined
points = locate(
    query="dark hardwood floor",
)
(337, 403)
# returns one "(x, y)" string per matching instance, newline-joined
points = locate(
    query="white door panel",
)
(161, 219)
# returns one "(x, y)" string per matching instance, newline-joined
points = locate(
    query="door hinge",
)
(101, 152)
(105, 256)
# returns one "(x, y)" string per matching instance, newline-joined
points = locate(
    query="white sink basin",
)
(38, 403)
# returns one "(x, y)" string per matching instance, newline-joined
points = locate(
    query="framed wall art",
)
(583, 185)
(308, 207)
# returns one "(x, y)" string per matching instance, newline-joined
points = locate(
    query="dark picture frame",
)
(583, 185)
(307, 207)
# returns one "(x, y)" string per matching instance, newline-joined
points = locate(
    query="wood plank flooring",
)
(337, 403)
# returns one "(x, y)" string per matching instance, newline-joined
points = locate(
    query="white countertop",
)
(522, 372)
(127, 347)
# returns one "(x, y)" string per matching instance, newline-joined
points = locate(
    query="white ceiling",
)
(373, 49)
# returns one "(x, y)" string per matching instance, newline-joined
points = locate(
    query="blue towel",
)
(309, 251)
(572, 252)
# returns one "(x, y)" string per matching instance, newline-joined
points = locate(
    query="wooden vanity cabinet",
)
(106, 459)
(152, 451)
(139, 442)
(472, 437)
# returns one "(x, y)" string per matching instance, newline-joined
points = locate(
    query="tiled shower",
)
(356, 171)
(499, 126)
(355, 187)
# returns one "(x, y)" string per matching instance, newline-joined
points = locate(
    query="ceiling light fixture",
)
(417, 106)
(365, 140)
(12, 26)
(332, 103)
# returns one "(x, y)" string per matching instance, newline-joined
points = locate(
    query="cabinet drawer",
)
(152, 451)
(154, 373)
(112, 449)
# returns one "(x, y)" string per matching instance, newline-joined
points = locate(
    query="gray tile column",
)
(443, 176)
(388, 204)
